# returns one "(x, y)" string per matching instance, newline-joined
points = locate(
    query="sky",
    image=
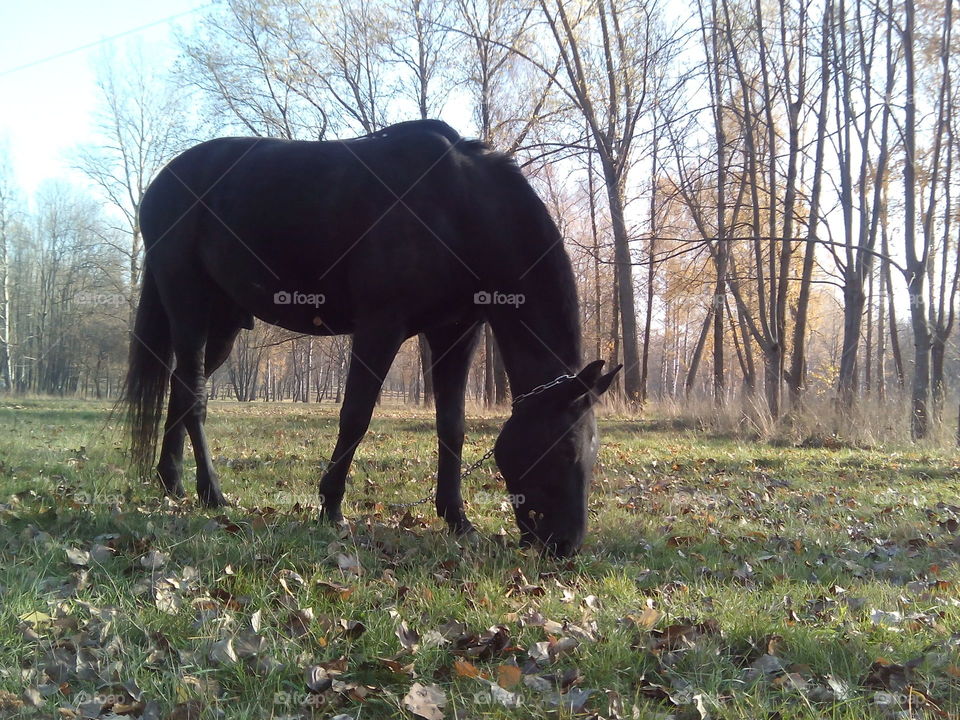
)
(48, 102)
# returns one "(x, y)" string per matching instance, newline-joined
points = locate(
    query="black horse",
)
(409, 230)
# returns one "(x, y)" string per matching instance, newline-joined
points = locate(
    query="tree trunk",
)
(698, 350)
(891, 306)
(915, 263)
(489, 394)
(853, 303)
(651, 272)
(881, 372)
(500, 384)
(718, 302)
(426, 362)
(868, 341)
(624, 269)
(937, 385)
(615, 327)
(773, 377)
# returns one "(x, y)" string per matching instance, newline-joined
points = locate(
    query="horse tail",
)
(148, 374)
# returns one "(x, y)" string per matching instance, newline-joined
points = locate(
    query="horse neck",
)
(539, 339)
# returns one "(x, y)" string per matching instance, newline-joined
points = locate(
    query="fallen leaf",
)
(249, 645)
(508, 676)
(36, 618)
(889, 619)
(102, 553)
(465, 668)
(222, 652)
(77, 557)
(426, 701)
(409, 639)
(574, 700)
(763, 666)
(298, 622)
(290, 580)
(349, 564)
(154, 560)
(32, 697)
(334, 590)
(352, 628)
(318, 679)
(498, 695)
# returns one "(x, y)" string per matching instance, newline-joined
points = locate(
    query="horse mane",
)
(539, 241)
(545, 248)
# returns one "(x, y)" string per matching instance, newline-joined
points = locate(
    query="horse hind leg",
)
(224, 326)
(170, 464)
(190, 304)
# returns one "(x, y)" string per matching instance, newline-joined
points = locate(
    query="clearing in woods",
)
(721, 578)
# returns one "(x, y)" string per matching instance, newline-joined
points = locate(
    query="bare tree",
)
(140, 126)
(237, 58)
(508, 103)
(6, 241)
(943, 272)
(423, 48)
(916, 258)
(610, 53)
(341, 48)
(796, 377)
(856, 49)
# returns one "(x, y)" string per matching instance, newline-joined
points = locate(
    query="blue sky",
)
(47, 107)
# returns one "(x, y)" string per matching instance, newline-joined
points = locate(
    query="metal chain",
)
(476, 466)
(540, 388)
(403, 506)
(489, 453)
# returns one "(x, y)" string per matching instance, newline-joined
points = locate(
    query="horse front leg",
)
(371, 356)
(451, 348)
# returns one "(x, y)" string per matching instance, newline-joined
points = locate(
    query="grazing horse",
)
(409, 230)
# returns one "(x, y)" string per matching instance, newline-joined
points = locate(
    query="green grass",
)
(842, 563)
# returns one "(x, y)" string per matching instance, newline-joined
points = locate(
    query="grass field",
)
(721, 578)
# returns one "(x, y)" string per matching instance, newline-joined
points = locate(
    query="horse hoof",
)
(216, 500)
(175, 493)
(331, 517)
(463, 528)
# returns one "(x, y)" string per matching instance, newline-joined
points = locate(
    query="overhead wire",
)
(102, 41)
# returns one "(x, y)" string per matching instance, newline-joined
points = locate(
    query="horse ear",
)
(589, 376)
(603, 383)
(590, 383)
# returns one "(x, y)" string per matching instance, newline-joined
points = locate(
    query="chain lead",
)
(489, 453)
(404, 506)
(540, 388)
